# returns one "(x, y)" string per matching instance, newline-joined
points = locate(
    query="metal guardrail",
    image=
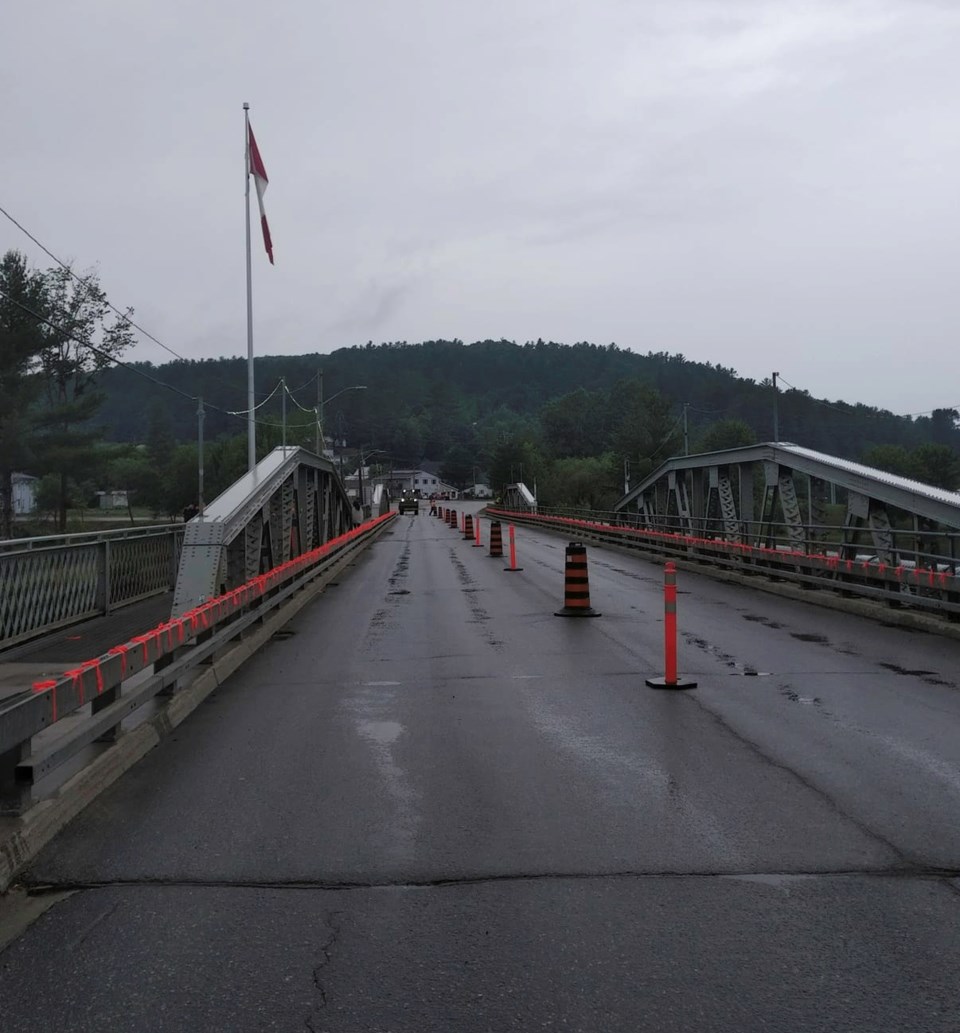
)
(48, 583)
(109, 683)
(930, 583)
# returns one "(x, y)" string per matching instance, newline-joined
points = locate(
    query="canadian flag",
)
(259, 173)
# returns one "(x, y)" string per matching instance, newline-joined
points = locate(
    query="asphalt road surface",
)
(436, 806)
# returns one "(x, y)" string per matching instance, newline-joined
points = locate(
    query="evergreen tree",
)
(21, 338)
(78, 345)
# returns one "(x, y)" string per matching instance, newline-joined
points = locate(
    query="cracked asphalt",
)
(438, 807)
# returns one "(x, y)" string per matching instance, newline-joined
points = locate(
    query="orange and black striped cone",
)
(576, 584)
(496, 538)
(468, 527)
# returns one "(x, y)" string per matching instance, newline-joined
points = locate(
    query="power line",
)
(133, 369)
(88, 284)
(666, 440)
(246, 412)
(97, 351)
(852, 411)
(313, 380)
(296, 403)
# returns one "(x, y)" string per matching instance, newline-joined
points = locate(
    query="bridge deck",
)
(435, 806)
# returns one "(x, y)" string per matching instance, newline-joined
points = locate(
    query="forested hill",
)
(420, 399)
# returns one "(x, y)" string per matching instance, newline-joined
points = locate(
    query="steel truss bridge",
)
(794, 514)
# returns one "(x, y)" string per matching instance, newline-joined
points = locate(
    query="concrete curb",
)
(33, 830)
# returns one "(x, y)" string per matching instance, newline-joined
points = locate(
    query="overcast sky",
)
(767, 184)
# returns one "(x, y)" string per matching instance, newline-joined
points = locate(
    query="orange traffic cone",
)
(576, 584)
(496, 538)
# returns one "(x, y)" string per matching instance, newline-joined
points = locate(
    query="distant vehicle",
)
(409, 502)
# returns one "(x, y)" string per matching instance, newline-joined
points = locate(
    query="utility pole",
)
(200, 415)
(319, 411)
(776, 413)
(283, 411)
(686, 430)
(626, 475)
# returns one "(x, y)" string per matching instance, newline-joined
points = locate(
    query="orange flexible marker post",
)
(477, 543)
(670, 680)
(513, 551)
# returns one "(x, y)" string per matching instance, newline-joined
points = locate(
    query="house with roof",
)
(426, 482)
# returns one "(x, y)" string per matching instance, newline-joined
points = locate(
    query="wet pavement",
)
(436, 806)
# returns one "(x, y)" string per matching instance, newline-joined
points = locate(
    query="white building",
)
(424, 481)
(112, 499)
(24, 493)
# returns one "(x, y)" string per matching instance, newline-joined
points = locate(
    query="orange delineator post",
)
(670, 680)
(513, 551)
(496, 539)
(576, 584)
(477, 543)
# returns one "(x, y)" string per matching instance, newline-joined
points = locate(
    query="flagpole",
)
(251, 396)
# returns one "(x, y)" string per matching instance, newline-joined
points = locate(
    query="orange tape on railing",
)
(51, 687)
(199, 615)
(94, 665)
(76, 676)
(934, 578)
(120, 651)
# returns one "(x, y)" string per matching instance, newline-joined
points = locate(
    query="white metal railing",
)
(47, 583)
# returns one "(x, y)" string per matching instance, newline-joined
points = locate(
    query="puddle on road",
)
(929, 677)
(385, 733)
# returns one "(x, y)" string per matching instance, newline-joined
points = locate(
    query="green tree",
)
(726, 434)
(575, 424)
(79, 343)
(406, 442)
(514, 460)
(586, 483)
(129, 469)
(21, 338)
(938, 465)
(892, 458)
(646, 431)
(457, 467)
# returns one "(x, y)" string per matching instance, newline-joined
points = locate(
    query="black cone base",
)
(577, 611)
(662, 683)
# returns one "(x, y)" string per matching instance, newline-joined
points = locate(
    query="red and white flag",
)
(259, 173)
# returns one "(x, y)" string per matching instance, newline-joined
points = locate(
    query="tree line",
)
(576, 420)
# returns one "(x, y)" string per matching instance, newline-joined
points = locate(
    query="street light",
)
(321, 402)
(363, 458)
